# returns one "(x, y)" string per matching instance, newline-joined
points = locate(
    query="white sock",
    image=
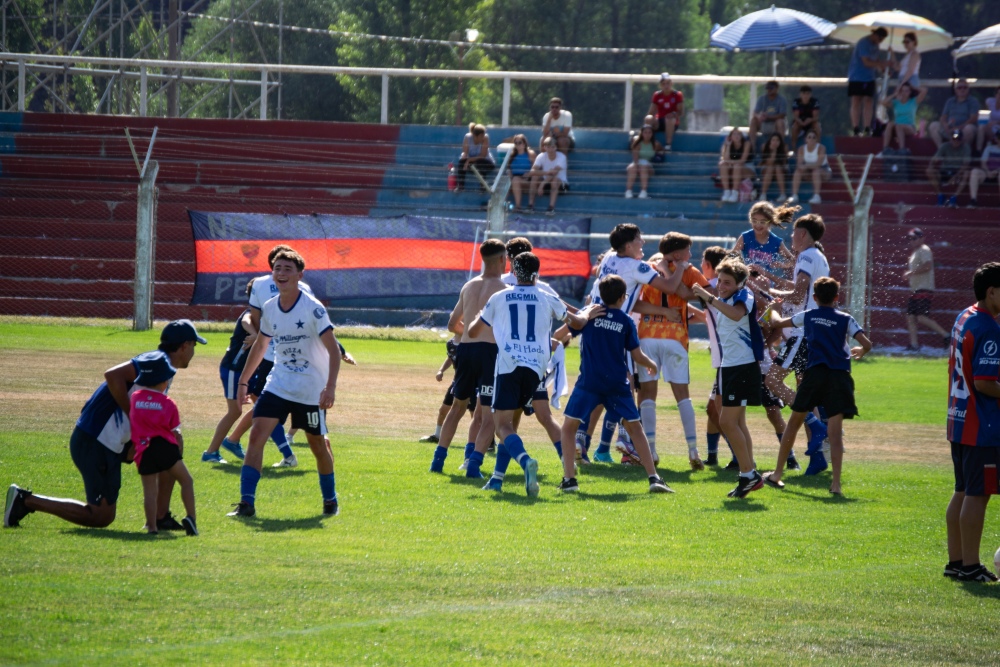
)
(647, 412)
(437, 431)
(686, 408)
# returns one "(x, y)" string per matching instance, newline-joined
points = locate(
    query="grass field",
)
(428, 569)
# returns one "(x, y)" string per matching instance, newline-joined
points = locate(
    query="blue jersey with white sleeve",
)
(606, 342)
(763, 254)
(828, 333)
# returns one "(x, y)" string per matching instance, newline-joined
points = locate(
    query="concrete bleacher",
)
(68, 185)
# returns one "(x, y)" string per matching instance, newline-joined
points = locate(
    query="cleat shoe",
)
(494, 485)
(817, 464)
(712, 460)
(330, 508)
(792, 464)
(826, 448)
(244, 509)
(603, 457)
(212, 457)
(492, 448)
(746, 485)
(464, 465)
(15, 509)
(696, 463)
(189, 527)
(629, 455)
(819, 434)
(953, 569)
(979, 575)
(531, 477)
(474, 474)
(168, 522)
(569, 485)
(429, 438)
(657, 485)
(287, 462)
(733, 465)
(234, 448)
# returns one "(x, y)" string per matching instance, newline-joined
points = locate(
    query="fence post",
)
(145, 249)
(505, 114)
(143, 81)
(857, 261)
(263, 94)
(21, 74)
(628, 106)
(385, 99)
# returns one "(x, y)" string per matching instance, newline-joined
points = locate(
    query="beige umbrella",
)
(931, 36)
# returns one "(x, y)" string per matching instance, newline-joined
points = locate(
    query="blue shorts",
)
(100, 467)
(309, 418)
(515, 389)
(582, 402)
(475, 364)
(970, 469)
(230, 382)
(259, 378)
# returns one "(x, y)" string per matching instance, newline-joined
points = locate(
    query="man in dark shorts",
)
(665, 110)
(100, 444)
(920, 273)
(866, 63)
(973, 415)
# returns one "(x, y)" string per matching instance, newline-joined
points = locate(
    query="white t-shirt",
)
(734, 335)
(264, 289)
(545, 164)
(713, 337)
(521, 318)
(301, 361)
(511, 279)
(812, 263)
(635, 273)
(924, 281)
(564, 121)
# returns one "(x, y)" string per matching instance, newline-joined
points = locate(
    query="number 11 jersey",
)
(521, 318)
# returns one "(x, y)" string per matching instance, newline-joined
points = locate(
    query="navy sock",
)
(248, 484)
(327, 486)
(713, 442)
(469, 448)
(475, 462)
(440, 454)
(608, 429)
(603, 449)
(515, 447)
(779, 436)
(558, 445)
(278, 435)
(503, 460)
(822, 415)
(812, 420)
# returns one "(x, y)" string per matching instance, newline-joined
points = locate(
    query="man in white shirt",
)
(557, 123)
(549, 171)
(920, 272)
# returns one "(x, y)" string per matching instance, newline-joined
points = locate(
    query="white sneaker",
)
(794, 199)
(643, 195)
(287, 462)
(725, 195)
(815, 199)
(734, 196)
(465, 464)
(628, 194)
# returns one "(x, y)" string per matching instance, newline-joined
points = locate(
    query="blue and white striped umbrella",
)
(984, 41)
(774, 29)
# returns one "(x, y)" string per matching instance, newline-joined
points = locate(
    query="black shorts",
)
(920, 302)
(474, 368)
(861, 89)
(309, 418)
(259, 378)
(767, 397)
(100, 467)
(970, 469)
(160, 455)
(514, 390)
(541, 394)
(825, 387)
(547, 187)
(794, 355)
(449, 398)
(740, 385)
(661, 125)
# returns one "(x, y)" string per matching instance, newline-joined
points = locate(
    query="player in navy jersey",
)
(827, 381)
(302, 383)
(607, 337)
(763, 251)
(974, 424)
(101, 442)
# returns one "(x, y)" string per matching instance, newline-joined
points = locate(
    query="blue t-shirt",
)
(828, 334)
(973, 418)
(606, 341)
(905, 113)
(764, 254)
(858, 71)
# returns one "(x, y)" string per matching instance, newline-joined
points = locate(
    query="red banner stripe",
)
(331, 254)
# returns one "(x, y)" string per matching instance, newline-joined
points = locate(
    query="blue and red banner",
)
(351, 257)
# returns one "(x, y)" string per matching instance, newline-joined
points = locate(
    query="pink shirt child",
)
(152, 414)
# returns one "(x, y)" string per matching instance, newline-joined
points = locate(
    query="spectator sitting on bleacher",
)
(549, 171)
(735, 164)
(558, 124)
(666, 109)
(811, 161)
(521, 162)
(987, 131)
(950, 166)
(770, 112)
(475, 151)
(904, 115)
(866, 63)
(644, 151)
(960, 114)
(773, 165)
(988, 169)
(805, 115)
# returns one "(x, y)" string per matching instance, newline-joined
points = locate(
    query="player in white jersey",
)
(301, 384)
(710, 260)
(521, 319)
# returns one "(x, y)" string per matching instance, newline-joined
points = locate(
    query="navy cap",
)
(154, 368)
(915, 233)
(180, 331)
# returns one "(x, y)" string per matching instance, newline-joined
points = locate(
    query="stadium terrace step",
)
(67, 228)
(75, 268)
(919, 146)
(98, 290)
(106, 309)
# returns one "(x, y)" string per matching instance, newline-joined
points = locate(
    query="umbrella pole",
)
(879, 111)
(774, 64)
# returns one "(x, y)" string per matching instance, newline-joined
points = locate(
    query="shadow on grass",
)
(742, 505)
(283, 525)
(267, 472)
(981, 590)
(123, 535)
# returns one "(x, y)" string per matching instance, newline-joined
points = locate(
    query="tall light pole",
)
(471, 35)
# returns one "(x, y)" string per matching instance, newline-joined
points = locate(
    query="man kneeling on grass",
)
(827, 382)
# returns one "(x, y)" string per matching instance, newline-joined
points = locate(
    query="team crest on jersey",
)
(644, 268)
(990, 348)
(319, 313)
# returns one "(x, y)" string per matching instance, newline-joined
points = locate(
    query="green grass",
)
(430, 570)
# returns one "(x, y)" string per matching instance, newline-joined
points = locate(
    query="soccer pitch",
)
(429, 569)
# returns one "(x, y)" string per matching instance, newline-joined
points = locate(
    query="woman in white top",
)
(986, 131)
(810, 160)
(549, 171)
(909, 66)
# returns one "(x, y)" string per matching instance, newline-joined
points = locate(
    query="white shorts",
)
(671, 359)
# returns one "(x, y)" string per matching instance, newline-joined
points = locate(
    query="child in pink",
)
(155, 424)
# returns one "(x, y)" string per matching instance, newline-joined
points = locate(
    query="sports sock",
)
(608, 428)
(440, 454)
(812, 420)
(248, 484)
(515, 447)
(327, 486)
(469, 448)
(278, 435)
(822, 414)
(475, 462)
(503, 460)
(713, 442)
(647, 413)
(604, 449)
(747, 475)
(686, 408)
(779, 435)
(437, 431)
(558, 445)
